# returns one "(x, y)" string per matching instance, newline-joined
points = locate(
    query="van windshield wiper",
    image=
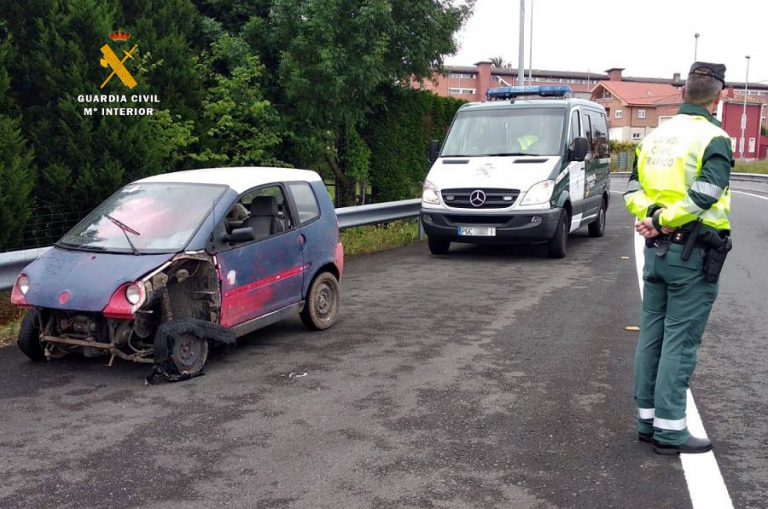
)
(125, 229)
(456, 155)
(502, 154)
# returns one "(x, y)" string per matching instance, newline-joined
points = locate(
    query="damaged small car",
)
(173, 264)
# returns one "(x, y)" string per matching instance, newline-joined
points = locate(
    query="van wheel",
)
(597, 228)
(322, 304)
(29, 337)
(557, 247)
(437, 246)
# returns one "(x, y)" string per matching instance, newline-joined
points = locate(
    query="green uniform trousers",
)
(676, 305)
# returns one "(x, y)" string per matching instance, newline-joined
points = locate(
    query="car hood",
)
(90, 278)
(509, 172)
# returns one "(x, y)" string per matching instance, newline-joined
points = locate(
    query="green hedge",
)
(398, 135)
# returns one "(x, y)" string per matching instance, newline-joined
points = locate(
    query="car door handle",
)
(302, 241)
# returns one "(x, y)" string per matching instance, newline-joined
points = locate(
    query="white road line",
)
(752, 195)
(705, 482)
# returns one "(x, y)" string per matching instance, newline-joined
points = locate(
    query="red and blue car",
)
(172, 264)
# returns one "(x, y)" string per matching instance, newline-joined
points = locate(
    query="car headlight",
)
(134, 294)
(23, 284)
(539, 193)
(429, 194)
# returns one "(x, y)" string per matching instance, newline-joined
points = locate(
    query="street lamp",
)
(696, 46)
(744, 113)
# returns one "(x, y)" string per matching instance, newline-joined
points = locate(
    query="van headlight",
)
(429, 194)
(540, 193)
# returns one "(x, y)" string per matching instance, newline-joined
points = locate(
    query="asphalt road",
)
(484, 378)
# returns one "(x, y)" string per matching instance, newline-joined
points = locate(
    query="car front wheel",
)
(322, 303)
(29, 337)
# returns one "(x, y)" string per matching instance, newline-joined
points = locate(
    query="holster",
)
(715, 252)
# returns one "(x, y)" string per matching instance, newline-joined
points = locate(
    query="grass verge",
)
(755, 167)
(369, 239)
(10, 319)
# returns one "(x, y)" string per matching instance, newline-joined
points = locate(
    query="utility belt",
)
(716, 245)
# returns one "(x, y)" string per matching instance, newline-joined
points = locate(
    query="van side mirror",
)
(579, 149)
(434, 151)
(240, 235)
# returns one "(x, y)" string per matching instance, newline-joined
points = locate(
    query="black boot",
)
(645, 437)
(692, 446)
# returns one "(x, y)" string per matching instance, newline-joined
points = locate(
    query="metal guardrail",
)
(363, 215)
(12, 262)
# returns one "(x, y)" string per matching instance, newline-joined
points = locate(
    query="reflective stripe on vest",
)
(670, 160)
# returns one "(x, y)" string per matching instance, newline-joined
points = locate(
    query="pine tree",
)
(16, 170)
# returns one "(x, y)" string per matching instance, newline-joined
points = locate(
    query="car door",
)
(264, 275)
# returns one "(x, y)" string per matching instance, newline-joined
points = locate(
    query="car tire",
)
(321, 306)
(29, 337)
(557, 247)
(597, 228)
(438, 246)
(189, 354)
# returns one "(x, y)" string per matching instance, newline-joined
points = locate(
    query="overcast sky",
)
(651, 38)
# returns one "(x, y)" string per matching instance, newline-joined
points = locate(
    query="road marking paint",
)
(752, 195)
(706, 486)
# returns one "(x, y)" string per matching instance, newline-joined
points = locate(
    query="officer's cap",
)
(716, 71)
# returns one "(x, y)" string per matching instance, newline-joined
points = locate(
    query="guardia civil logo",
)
(111, 61)
(117, 62)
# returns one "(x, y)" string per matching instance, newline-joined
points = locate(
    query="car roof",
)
(523, 103)
(240, 179)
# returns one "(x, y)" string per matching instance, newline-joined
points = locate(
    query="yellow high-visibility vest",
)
(668, 162)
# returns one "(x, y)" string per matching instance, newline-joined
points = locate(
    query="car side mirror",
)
(240, 235)
(434, 151)
(579, 149)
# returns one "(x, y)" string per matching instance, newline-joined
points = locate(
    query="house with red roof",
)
(635, 108)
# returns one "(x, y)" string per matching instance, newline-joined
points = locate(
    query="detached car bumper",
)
(530, 226)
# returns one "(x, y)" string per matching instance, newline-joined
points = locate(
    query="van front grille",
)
(480, 198)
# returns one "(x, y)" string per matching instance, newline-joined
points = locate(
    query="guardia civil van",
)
(519, 170)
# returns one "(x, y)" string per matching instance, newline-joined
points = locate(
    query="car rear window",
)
(305, 200)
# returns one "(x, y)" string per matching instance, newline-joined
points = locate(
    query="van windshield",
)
(503, 132)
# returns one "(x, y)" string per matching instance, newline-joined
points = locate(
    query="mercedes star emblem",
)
(477, 198)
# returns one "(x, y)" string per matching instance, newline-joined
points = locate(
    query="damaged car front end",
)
(131, 281)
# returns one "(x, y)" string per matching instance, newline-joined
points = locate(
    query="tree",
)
(83, 158)
(497, 62)
(241, 127)
(338, 55)
(16, 170)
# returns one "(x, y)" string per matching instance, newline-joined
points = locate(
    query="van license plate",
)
(477, 231)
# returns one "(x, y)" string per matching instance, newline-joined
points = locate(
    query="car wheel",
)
(29, 337)
(597, 228)
(189, 354)
(557, 247)
(322, 304)
(438, 246)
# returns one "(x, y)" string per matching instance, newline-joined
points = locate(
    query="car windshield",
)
(506, 132)
(145, 218)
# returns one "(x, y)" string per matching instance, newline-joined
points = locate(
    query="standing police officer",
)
(679, 194)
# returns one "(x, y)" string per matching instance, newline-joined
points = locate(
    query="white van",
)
(519, 171)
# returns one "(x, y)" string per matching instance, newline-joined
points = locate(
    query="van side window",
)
(589, 133)
(575, 126)
(599, 140)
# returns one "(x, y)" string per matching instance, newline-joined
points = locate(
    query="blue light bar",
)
(541, 91)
